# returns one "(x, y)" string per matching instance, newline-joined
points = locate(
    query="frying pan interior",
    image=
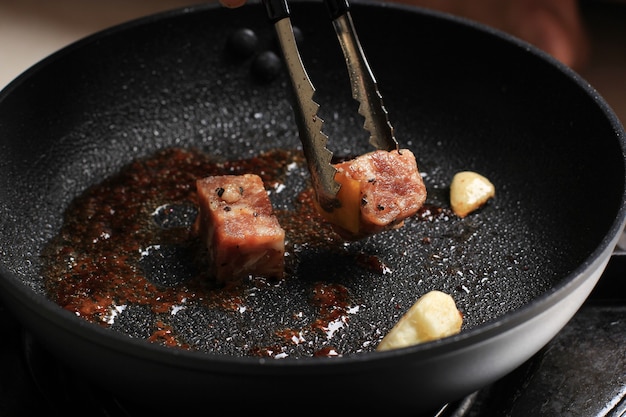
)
(461, 97)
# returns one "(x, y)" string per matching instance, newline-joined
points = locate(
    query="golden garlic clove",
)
(469, 191)
(433, 316)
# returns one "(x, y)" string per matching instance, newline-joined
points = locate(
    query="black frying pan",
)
(460, 96)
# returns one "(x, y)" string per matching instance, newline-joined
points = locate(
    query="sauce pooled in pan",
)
(125, 259)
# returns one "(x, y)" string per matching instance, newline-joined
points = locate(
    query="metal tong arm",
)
(364, 86)
(313, 140)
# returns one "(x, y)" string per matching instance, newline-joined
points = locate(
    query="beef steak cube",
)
(237, 224)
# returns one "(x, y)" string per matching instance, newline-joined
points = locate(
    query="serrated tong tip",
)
(364, 85)
(364, 90)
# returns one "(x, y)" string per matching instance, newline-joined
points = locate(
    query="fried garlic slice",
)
(433, 316)
(469, 191)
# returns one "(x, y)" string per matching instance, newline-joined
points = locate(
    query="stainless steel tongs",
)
(364, 90)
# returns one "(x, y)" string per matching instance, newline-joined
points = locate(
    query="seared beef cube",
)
(237, 224)
(379, 190)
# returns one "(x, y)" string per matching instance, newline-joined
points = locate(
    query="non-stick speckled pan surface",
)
(459, 96)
